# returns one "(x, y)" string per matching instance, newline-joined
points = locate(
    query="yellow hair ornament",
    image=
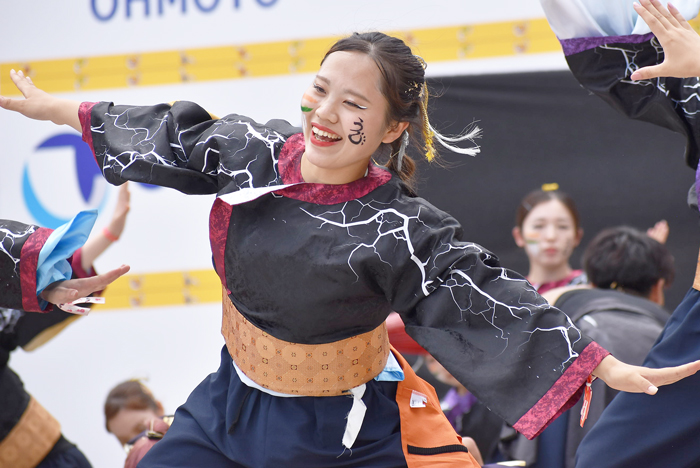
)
(550, 187)
(430, 135)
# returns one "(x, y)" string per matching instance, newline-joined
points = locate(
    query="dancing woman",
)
(317, 236)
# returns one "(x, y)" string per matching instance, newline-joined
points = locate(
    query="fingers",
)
(679, 17)
(648, 73)
(106, 278)
(650, 16)
(664, 16)
(659, 232)
(57, 294)
(86, 286)
(23, 83)
(669, 375)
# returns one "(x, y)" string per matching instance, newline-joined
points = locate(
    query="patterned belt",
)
(303, 369)
(31, 439)
(696, 283)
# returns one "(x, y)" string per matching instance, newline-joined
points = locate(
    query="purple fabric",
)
(697, 184)
(579, 44)
(457, 405)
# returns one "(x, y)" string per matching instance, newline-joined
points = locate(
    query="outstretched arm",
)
(680, 42)
(40, 105)
(99, 242)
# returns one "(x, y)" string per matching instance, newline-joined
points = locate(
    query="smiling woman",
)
(347, 121)
(317, 236)
(548, 229)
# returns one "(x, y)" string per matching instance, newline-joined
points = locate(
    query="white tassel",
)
(472, 132)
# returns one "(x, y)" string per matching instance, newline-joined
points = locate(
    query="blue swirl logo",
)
(88, 176)
(86, 169)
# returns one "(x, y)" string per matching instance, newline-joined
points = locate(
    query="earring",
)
(402, 150)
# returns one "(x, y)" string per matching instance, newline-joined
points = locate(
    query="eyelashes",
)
(322, 91)
(350, 103)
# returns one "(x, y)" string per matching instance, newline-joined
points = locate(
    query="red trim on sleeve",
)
(564, 393)
(85, 114)
(219, 219)
(29, 257)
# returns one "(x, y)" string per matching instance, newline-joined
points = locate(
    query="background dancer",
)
(633, 431)
(29, 435)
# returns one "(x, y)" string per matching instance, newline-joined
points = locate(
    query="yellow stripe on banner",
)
(454, 43)
(162, 289)
(271, 58)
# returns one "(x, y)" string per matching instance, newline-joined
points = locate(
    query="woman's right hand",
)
(40, 105)
(679, 40)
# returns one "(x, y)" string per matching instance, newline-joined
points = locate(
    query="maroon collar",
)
(289, 165)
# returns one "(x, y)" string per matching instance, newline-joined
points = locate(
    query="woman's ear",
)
(518, 237)
(394, 131)
(579, 236)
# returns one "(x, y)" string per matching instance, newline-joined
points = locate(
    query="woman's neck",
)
(539, 274)
(318, 175)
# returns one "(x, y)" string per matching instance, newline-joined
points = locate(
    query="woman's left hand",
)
(636, 379)
(62, 292)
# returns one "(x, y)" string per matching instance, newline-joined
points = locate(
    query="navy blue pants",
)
(639, 430)
(225, 423)
(64, 455)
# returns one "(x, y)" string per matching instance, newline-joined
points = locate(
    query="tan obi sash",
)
(303, 369)
(31, 439)
(696, 283)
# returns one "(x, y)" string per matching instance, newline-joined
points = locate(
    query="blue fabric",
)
(654, 431)
(71, 458)
(53, 263)
(225, 423)
(595, 18)
(392, 371)
(551, 444)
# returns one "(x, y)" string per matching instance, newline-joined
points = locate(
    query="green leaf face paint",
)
(306, 109)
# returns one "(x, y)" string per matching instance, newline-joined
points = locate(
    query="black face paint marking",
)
(357, 137)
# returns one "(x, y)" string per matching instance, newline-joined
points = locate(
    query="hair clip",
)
(550, 187)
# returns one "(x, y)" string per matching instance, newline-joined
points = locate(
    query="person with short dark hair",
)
(629, 261)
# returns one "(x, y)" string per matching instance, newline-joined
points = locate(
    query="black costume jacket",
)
(313, 263)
